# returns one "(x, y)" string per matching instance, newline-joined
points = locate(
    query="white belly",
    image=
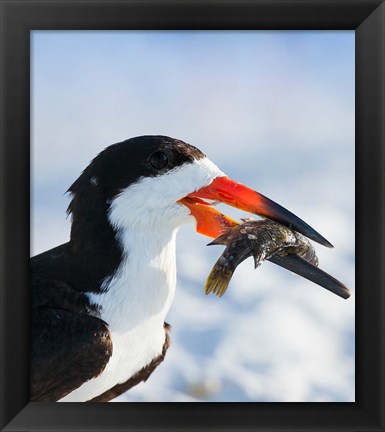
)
(134, 306)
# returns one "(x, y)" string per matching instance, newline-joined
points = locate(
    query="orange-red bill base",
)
(212, 223)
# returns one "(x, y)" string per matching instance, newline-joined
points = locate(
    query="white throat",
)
(143, 286)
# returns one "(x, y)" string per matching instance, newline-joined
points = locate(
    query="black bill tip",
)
(276, 212)
(309, 271)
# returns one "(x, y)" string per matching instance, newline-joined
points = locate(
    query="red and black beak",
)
(212, 223)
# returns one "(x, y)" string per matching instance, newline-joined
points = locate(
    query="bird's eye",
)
(158, 160)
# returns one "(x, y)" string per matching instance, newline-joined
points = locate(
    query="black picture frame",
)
(18, 18)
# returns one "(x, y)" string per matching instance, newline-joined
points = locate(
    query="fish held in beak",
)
(212, 223)
(267, 240)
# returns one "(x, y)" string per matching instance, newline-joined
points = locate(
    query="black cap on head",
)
(122, 164)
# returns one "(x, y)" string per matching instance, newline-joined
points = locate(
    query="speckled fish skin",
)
(265, 239)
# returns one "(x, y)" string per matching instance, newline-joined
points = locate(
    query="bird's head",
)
(157, 183)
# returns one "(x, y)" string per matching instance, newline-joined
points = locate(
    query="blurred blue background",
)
(274, 110)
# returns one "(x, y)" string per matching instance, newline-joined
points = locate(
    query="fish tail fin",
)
(223, 270)
(218, 280)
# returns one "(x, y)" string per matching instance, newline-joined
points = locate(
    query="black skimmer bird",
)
(99, 302)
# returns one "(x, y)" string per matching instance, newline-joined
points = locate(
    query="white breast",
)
(135, 305)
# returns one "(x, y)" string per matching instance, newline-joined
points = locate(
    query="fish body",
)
(268, 240)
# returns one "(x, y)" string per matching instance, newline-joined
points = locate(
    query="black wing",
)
(68, 348)
(68, 345)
